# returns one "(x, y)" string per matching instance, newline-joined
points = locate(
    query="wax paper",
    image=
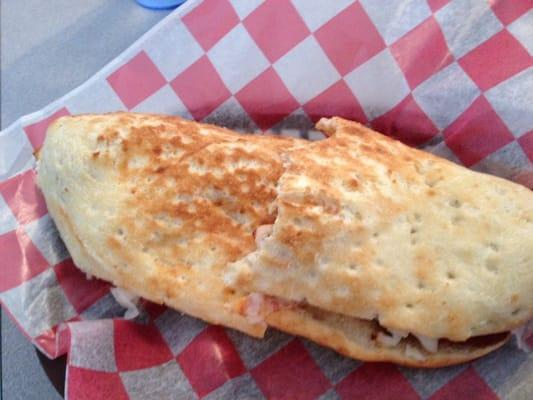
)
(452, 77)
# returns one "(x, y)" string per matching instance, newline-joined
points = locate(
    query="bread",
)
(159, 205)
(370, 228)
(162, 207)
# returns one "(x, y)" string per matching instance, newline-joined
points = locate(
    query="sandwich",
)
(377, 250)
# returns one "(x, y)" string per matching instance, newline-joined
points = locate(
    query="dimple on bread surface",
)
(356, 338)
(370, 228)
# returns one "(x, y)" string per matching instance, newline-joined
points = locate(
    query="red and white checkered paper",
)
(455, 77)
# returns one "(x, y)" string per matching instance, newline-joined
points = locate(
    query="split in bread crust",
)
(160, 206)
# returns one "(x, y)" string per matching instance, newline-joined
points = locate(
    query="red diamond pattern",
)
(37, 131)
(526, 141)
(85, 384)
(24, 197)
(266, 99)
(280, 376)
(529, 341)
(149, 350)
(509, 10)
(284, 25)
(512, 58)
(478, 132)
(154, 310)
(80, 291)
(210, 360)
(436, 5)
(136, 80)
(422, 52)
(21, 260)
(467, 385)
(350, 38)
(337, 100)
(376, 381)
(200, 88)
(406, 122)
(55, 341)
(210, 21)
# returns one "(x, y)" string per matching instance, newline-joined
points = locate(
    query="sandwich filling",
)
(257, 308)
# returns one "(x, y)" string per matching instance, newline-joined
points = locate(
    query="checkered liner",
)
(453, 76)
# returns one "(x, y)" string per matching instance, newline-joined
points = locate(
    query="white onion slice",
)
(430, 344)
(127, 300)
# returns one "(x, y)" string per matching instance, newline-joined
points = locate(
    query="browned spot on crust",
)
(191, 191)
(352, 183)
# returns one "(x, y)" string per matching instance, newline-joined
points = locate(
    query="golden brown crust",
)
(370, 228)
(159, 205)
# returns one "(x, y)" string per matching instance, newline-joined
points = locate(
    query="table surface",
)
(48, 48)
